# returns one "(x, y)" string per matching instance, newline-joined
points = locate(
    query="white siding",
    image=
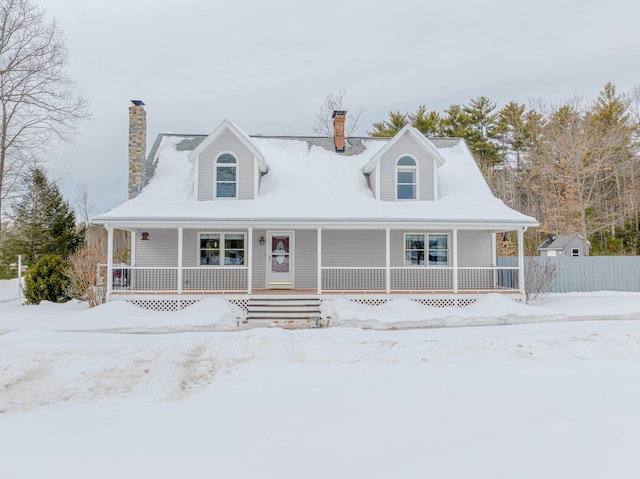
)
(397, 247)
(259, 259)
(161, 249)
(406, 146)
(226, 142)
(306, 259)
(475, 248)
(353, 248)
(340, 248)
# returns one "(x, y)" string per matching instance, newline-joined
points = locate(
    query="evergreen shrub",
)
(47, 280)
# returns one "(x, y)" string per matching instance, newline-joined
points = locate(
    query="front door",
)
(280, 259)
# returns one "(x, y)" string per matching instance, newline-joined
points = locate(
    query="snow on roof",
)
(306, 182)
(241, 135)
(417, 136)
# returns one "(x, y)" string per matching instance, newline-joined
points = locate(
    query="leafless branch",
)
(334, 102)
(39, 105)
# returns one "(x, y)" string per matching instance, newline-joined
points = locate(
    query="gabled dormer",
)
(405, 169)
(227, 165)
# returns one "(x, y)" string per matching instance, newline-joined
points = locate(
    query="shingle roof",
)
(557, 242)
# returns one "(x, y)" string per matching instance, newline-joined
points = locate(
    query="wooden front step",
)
(289, 309)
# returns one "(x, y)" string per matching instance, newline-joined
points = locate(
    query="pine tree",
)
(455, 122)
(428, 123)
(511, 127)
(388, 128)
(482, 131)
(610, 116)
(41, 223)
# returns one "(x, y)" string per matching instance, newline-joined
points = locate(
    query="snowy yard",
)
(84, 395)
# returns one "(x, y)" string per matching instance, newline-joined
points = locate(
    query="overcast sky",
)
(268, 65)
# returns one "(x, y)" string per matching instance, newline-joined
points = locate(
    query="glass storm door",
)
(279, 259)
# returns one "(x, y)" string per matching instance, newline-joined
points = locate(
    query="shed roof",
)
(558, 242)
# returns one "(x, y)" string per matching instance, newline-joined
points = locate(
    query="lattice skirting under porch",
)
(434, 302)
(163, 304)
(175, 304)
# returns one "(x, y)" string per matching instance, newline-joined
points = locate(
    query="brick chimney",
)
(137, 147)
(338, 130)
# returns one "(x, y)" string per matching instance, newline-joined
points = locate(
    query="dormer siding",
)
(227, 142)
(406, 146)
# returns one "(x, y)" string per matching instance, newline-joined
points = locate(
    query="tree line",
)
(574, 166)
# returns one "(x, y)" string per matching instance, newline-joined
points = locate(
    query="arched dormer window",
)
(226, 170)
(406, 178)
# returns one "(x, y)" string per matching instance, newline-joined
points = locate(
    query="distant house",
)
(564, 245)
(245, 217)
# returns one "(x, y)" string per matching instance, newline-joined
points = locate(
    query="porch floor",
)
(312, 292)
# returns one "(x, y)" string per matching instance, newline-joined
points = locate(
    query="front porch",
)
(345, 280)
(435, 266)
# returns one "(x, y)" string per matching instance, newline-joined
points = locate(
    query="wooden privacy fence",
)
(585, 273)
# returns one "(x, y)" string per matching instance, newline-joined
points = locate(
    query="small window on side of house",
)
(226, 173)
(406, 178)
(575, 252)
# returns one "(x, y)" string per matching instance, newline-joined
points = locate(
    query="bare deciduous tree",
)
(539, 277)
(84, 209)
(575, 161)
(84, 273)
(334, 102)
(39, 104)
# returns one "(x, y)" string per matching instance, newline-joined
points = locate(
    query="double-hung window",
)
(222, 249)
(429, 249)
(226, 171)
(406, 178)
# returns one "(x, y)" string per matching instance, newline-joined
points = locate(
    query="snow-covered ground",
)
(84, 394)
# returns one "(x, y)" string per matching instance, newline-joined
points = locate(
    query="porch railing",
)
(422, 279)
(215, 279)
(338, 279)
(354, 279)
(164, 279)
(414, 279)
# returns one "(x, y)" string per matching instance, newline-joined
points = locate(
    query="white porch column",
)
(319, 261)
(388, 260)
(180, 235)
(109, 260)
(454, 260)
(494, 249)
(132, 260)
(249, 260)
(521, 260)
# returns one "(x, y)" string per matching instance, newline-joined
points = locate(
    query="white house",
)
(250, 218)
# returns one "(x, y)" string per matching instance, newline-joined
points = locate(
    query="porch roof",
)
(322, 223)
